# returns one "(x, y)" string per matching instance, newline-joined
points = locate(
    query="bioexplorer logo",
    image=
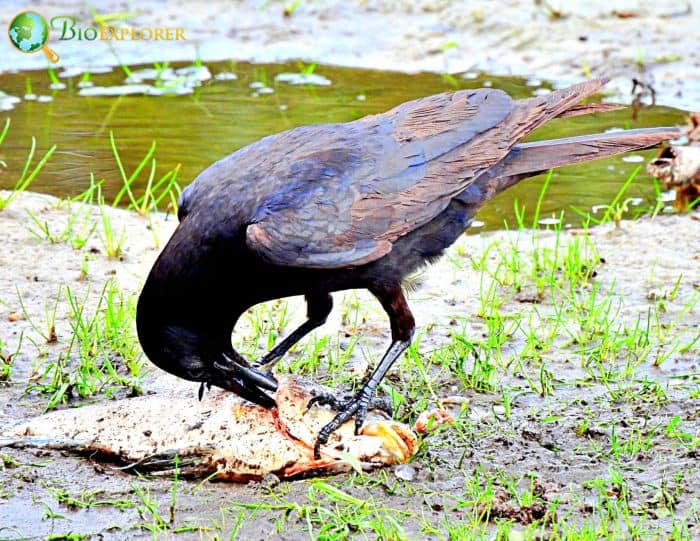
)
(69, 30)
(29, 33)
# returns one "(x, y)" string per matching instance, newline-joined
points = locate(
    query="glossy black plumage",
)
(324, 208)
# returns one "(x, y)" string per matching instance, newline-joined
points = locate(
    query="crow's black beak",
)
(260, 378)
(245, 381)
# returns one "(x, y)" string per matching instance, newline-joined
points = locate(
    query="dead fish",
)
(223, 437)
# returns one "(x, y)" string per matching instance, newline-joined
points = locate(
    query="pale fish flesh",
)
(223, 436)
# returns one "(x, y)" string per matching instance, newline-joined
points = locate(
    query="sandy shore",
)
(565, 42)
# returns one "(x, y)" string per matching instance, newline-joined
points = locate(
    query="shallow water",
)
(198, 116)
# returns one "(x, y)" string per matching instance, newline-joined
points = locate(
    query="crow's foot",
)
(358, 406)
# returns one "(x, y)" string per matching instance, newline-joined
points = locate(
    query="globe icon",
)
(29, 33)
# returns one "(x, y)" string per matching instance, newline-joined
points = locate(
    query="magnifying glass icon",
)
(29, 33)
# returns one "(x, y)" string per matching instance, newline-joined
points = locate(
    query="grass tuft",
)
(27, 176)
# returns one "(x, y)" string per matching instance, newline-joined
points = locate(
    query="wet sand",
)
(564, 438)
(644, 267)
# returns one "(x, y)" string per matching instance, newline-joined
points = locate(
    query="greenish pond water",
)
(224, 113)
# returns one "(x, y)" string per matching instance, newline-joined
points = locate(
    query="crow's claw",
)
(357, 406)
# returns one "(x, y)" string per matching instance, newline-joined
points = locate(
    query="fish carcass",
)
(223, 436)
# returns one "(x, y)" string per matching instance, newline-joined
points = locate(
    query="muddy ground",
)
(588, 437)
(569, 435)
(556, 40)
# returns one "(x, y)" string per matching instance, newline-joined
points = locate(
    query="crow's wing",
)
(390, 173)
(310, 219)
(306, 221)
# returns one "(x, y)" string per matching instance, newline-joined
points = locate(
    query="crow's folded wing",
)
(345, 206)
(312, 218)
(307, 221)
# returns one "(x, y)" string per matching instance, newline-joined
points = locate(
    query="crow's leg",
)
(402, 326)
(318, 306)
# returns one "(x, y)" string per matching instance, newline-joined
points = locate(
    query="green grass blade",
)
(5, 129)
(620, 193)
(540, 198)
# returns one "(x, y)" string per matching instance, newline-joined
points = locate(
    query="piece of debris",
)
(640, 91)
(655, 294)
(694, 128)
(678, 167)
(405, 472)
(429, 420)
